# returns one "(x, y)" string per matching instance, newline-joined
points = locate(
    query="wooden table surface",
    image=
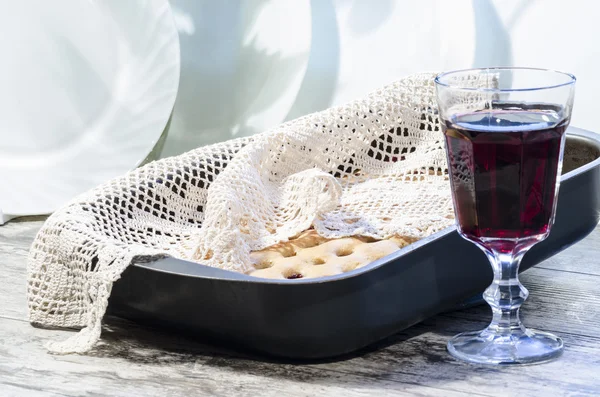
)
(139, 361)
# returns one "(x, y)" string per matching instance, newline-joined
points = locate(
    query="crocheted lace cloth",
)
(374, 167)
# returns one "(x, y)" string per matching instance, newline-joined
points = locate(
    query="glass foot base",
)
(523, 347)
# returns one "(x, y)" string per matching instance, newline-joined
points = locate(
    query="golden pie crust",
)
(309, 255)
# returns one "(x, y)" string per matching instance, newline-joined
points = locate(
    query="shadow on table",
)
(415, 354)
(137, 342)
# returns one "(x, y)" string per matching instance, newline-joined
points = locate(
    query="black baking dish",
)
(330, 316)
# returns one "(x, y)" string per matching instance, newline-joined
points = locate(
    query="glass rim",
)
(572, 79)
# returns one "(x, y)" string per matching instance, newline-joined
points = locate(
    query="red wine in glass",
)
(503, 165)
(504, 130)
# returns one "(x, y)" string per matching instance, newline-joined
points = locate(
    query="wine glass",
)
(504, 131)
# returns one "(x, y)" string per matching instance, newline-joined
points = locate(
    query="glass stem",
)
(506, 294)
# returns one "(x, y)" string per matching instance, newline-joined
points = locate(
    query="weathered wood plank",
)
(135, 360)
(421, 358)
(12, 390)
(558, 302)
(149, 360)
(128, 366)
(582, 257)
(15, 240)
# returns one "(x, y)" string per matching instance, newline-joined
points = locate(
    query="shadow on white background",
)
(235, 84)
(242, 66)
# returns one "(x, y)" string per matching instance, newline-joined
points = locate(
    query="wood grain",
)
(134, 360)
(584, 258)
(15, 239)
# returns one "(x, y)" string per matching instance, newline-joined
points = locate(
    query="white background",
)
(248, 65)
